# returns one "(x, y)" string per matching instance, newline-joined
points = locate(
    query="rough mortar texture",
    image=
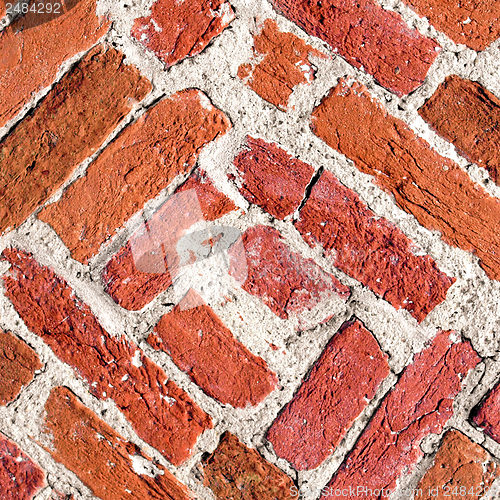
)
(343, 156)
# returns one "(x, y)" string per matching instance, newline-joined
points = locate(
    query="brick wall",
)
(250, 250)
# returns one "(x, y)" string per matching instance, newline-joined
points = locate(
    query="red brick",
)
(162, 144)
(132, 288)
(419, 404)
(342, 381)
(461, 470)
(434, 189)
(203, 347)
(20, 477)
(368, 37)
(31, 55)
(475, 23)
(18, 363)
(100, 457)
(235, 471)
(371, 249)
(44, 149)
(280, 62)
(488, 414)
(176, 30)
(160, 412)
(271, 178)
(467, 115)
(213, 203)
(286, 282)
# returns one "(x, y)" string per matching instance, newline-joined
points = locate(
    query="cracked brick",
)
(475, 23)
(487, 415)
(420, 403)
(18, 363)
(434, 189)
(370, 248)
(281, 62)
(461, 469)
(20, 477)
(143, 160)
(467, 115)
(31, 55)
(104, 461)
(287, 283)
(342, 381)
(234, 470)
(70, 123)
(367, 36)
(176, 30)
(203, 347)
(160, 412)
(271, 178)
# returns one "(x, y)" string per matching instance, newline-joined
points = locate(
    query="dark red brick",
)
(203, 347)
(144, 159)
(420, 403)
(368, 37)
(341, 383)
(176, 30)
(488, 414)
(475, 23)
(31, 55)
(467, 115)
(235, 471)
(133, 288)
(100, 457)
(271, 178)
(18, 363)
(286, 282)
(69, 125)
(371, 249)
(280, 62)
(160, 412)
(461, 470)
(432, 188)
(20, 477)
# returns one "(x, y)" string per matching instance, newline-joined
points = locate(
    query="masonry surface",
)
(250, 249)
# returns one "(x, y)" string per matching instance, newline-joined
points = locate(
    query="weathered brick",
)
(280, 63)
(286, 282)
(20, 477)
(420, 403)
(162, 144)
(132, 288)
(487, 415)
(370, 248)
(213, 203)
(271, 178)
(475, 23)
(176, 30)
(160, 412)
(341, 383)
(461, 470)
(108, 464)
(235, 471)
(467, 115)
(368, 37)
(432, 188)
(18, 363)
(72, 121)
(32, 54)
(202, 346)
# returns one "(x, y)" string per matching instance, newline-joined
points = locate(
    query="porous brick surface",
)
(461, 469)
(250, 250)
